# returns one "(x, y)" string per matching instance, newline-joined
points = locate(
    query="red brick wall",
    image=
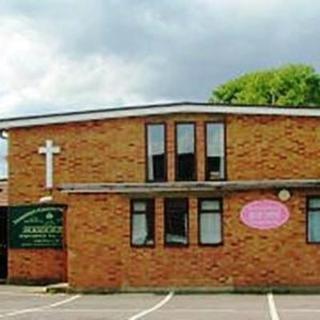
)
(248, 257)
(37, 266)
(273, 147)
(98, 235)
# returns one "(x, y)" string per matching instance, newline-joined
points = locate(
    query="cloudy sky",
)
(59, 55)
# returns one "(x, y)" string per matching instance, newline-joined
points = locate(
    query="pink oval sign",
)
(264, 214)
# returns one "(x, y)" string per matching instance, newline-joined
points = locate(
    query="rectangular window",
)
(185, 152)
(176, 221)
(314, 220)
(156, 152)
(210, 221)
(142, 222)
(215, 147)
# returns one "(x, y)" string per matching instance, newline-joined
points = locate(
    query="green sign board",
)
(36, 226)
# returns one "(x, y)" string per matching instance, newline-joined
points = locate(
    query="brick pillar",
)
(200, 147)
(193, 221)
(159, 221)
(171, 151)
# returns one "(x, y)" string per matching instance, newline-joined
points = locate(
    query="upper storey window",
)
(156, 151)
(215, 146)
(185, 152)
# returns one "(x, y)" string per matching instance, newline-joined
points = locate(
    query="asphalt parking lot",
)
(22, 304)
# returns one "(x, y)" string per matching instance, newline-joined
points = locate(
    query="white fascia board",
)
(158, 110)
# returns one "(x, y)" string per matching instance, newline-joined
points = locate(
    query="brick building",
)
(179, 195)
(3, 227)
(3, 192)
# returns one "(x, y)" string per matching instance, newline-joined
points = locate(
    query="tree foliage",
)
(293, 85)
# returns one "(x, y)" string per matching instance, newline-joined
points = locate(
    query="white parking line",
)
(154, 308)
(272, 307)
(59, 303)
(41, 308)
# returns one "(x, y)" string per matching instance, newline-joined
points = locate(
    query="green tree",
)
(293, 85)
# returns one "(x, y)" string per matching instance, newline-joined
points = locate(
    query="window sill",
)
(176, 245)
(138, 246)
(220, 244)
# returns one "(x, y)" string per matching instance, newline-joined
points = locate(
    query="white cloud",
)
(34, 72)
(243, 7)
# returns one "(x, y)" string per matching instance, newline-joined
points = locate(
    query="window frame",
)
(220, 200)
(195, 173)
(222, 122)
(171, 244)
(132, 213)
(308, 198)
(146, 140)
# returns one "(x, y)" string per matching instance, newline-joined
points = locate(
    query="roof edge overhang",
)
(156, 109)
(206, 186)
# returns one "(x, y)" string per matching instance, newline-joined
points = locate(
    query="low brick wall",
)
(40, 266)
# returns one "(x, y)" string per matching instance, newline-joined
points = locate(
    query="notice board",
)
(36, 226)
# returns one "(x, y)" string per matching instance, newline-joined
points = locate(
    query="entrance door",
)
(3, 243)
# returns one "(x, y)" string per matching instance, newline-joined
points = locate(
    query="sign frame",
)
(36, 226)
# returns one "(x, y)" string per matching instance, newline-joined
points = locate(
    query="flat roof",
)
(157, 109)
(189, 186)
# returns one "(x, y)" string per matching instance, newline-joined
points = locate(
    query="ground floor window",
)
(313, 232)
(210, 221)
(176, 221)
(142, 222)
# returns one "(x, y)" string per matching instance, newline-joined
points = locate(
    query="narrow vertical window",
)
(313, 220)
(215, 157)
(142, 222)
(185, 152)
(210, 221)
(156, 170)
(176, 221)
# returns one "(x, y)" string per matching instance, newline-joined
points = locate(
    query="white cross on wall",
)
(49, 151)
